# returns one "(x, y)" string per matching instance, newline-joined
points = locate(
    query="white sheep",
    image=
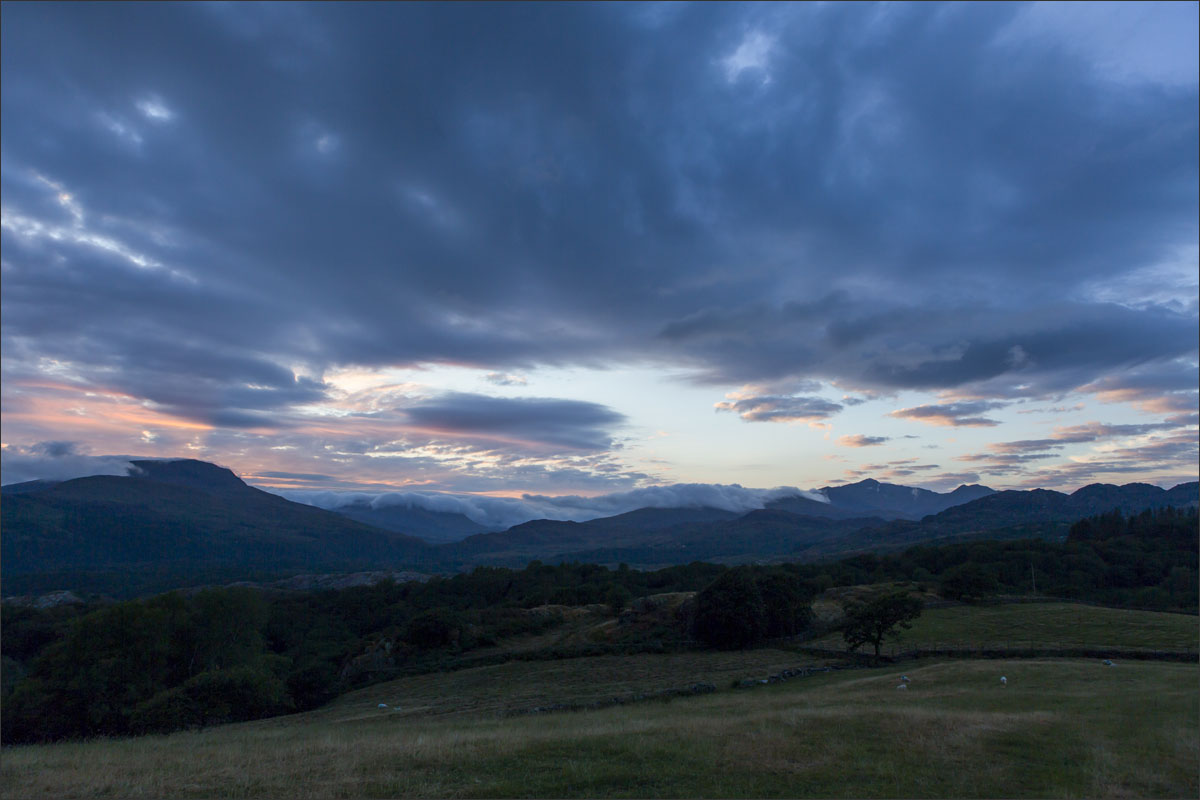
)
(904, 678)
(902, 686)
(382, 705)
(1003, 681)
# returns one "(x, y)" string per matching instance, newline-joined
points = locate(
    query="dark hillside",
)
(653, 519)
(27, 487)
(198, 518)
(1004, 509)
(431, 526)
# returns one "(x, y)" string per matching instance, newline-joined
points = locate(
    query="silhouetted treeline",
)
(1148, 561)
(221, 655)
(191, 659)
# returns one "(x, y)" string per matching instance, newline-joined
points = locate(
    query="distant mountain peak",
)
(870, 497)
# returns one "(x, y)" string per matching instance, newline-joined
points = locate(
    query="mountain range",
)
(178, 523)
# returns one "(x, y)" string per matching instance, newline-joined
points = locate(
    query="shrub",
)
(438, 627)
(211, 698)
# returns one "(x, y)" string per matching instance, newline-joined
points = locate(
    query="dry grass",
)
(1059, 729)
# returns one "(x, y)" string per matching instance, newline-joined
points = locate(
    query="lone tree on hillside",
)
(873, 621)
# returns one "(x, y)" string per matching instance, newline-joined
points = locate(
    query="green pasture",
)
(1059, 728)
(1042, 625)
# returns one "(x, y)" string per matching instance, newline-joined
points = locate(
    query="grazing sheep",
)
(1003, 681)
(904, 678)
(382, 705)
(902, 686)
(1109, 663)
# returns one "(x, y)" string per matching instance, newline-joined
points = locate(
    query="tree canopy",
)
(744, 606)
(883, 617)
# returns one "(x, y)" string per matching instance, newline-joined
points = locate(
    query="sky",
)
(593, 250)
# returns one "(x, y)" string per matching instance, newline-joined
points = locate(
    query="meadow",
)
(1060, 728)
(1043, 626)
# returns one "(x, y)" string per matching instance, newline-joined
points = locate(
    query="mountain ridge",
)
(185, 516)
(199, 516)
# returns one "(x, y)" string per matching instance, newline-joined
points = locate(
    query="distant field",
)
(1060, 728)
(518, 686)
(1043, 625)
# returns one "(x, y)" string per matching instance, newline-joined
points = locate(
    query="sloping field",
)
(1042, 625)
(523, 685)
(1060, 728)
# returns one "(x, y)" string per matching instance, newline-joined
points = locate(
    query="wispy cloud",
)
(956, 415)
(778, 408)
(859, 440)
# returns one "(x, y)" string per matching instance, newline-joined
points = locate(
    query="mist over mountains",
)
(403, 510)
(499, 513)
(170, 524)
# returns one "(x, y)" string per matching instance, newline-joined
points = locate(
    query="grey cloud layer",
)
(565, 424)
(203, 203)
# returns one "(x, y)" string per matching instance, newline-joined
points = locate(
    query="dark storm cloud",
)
(992, 350)
(568, 424)
(202, 201)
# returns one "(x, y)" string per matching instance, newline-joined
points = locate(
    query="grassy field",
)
(520, 686)
(1060, 728)
(1043, 625)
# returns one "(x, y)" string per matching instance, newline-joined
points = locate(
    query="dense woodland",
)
(188, 659)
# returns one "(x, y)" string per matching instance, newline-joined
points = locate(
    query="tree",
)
(618, 598)
(437, 627)
(968, 583)
(883, 617)
(787, 601)
(730, 613)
